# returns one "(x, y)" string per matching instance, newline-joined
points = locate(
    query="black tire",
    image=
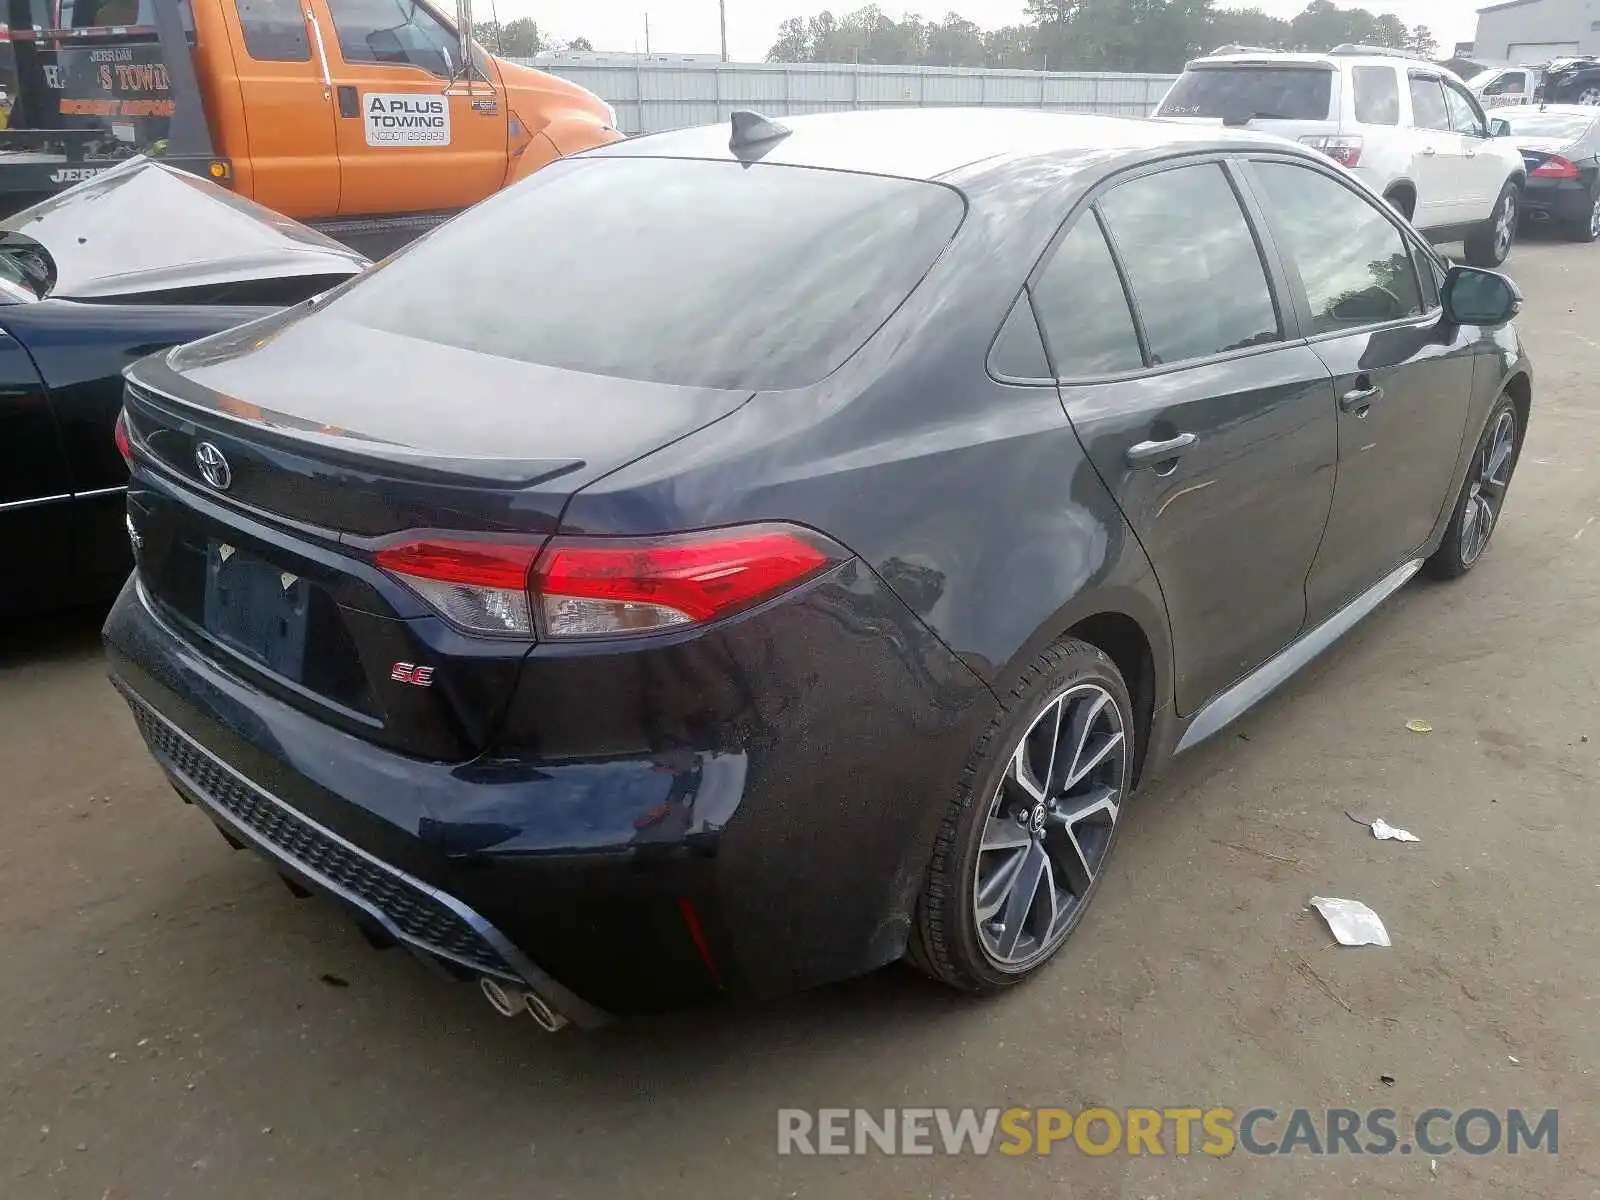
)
(1490, 243)
(1587, 229)
(1454, 558)
(945, 941)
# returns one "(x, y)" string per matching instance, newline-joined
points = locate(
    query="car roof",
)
(929, 143)
(1333, 62)
(1275, 58)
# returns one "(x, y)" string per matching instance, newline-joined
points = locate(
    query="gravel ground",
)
(172, 1023)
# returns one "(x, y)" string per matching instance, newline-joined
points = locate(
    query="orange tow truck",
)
(370, 119)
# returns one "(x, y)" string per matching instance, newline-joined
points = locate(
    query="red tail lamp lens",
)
(119, 434)
(595, 589)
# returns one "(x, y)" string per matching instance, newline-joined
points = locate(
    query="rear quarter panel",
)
(971, 498)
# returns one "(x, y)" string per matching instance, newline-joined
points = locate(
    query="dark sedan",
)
(136, 260)
(795, 564)
(1561, 145)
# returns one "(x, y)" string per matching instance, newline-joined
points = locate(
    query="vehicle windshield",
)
(1482, 79)
(679, 271)
(1569, 126)
(1270, 92)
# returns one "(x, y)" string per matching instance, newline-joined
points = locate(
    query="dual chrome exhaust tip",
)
(511, 1002)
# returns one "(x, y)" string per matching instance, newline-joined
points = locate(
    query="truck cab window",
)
(396, 32)
(274, 30)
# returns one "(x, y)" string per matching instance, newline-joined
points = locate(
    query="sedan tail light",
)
(119, 434)
(607, 587)
(1556, 167)
(1346, 151)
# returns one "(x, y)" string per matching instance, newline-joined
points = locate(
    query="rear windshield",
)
(694, 272)
(1549, 125)
(1267, 93)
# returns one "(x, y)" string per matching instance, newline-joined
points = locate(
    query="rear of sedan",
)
(615, 773)
(1560, 143)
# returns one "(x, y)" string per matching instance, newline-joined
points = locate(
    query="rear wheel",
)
(1026, 840)
(1483, 494)
(1489, 244)
(1590, 94)
(1587, 229)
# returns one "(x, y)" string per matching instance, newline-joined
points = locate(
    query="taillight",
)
(607, 587)
(1346, 151)
(481, 586)
(1556, 167)
(598, 588)
(119, 434)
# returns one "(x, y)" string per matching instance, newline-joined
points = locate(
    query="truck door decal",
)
(405, 119)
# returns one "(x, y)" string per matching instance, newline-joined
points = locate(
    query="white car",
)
(1412, 131)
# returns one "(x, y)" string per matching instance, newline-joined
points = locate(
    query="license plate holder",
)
(256, 608)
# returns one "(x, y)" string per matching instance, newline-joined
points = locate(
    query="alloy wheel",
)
(1049, 827)
(1487, 493)
(1505, 226)
(1589, 95)
(1594, 220)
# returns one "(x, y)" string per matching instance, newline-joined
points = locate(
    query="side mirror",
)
(1475, 297)
(1499, 127)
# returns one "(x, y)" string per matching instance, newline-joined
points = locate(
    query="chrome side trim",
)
(41, 501)
(1266, 678)
(33, 502)
(531, 976)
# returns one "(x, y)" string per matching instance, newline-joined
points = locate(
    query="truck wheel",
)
(1590, 94)
(1489, 244)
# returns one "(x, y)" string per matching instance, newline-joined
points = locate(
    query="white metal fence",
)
(651, 96)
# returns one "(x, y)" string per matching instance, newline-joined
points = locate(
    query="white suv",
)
(1411, 130)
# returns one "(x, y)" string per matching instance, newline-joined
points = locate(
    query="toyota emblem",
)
(213, 466)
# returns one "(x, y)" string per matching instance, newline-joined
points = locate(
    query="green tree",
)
(521, 39)
(793, 44)
(1390, 30)
(1247, 27)
(1010, 46)
(1423, 42)
(956, 42)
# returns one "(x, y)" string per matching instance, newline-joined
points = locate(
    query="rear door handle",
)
(1145, 453)
(1360, 398)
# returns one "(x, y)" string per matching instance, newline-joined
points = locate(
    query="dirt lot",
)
(166, 1027)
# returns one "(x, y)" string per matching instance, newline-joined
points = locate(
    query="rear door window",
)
(1377, 95)
(1266, 92)
(683, 271)
(1083, 309)
(1193, 264)
(1428, 109)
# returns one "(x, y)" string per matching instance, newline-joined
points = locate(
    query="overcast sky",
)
(690, 26)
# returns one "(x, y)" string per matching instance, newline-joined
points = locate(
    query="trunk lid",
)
(366, 433)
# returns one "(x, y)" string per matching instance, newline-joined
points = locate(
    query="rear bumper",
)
(1558, 199)
(622, 883)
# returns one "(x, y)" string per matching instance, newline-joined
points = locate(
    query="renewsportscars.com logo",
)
(1177, 1131)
